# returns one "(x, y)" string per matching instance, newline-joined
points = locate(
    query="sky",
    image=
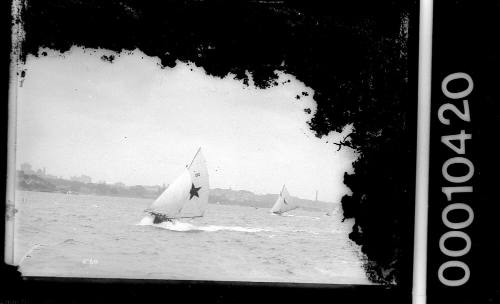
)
(133, 121)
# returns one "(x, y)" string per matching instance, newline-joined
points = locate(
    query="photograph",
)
(232, 141)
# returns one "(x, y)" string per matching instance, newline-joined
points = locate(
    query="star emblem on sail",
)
(194, 191)
(284, 202)
(187, 195)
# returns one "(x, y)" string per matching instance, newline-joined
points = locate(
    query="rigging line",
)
(199, 149)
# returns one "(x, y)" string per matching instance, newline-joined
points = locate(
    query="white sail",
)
(187, 196)
(284, 203)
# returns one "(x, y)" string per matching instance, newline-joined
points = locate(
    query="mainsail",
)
(187, 196)
(284, 203)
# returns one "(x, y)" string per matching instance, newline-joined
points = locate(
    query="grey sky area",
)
(134, 122)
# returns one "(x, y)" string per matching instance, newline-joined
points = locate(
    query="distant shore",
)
(33, 182)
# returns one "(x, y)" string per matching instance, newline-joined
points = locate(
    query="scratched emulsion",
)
(354, 56)
(64, 235)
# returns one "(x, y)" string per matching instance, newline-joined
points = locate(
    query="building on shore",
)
(27, 168)
(82, 179)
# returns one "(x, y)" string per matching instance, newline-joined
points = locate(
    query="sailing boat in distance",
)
(284, 203)
(187, 195)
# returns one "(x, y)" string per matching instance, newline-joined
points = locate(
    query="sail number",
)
(459, 183)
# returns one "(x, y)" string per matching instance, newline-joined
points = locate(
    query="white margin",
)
(17, 37)
(422, 167)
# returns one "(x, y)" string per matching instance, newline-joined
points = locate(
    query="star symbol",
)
(194, 191)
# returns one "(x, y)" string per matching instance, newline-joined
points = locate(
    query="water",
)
(108, 237)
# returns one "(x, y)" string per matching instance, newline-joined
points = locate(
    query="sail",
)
(284, 203)
(187, 196)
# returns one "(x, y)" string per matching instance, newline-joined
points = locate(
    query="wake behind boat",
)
(186, 197)
(284, 203)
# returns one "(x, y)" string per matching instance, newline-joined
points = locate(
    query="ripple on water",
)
(149, 252)
(70, 242)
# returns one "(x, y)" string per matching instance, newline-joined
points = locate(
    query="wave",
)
(303, 216)
(38, 246)
(311, 217)
(146, 221)
(68, 241)
(186, 227)
(303, 231)
(28, 253)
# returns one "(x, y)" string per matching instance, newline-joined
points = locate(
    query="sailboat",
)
(284, 203)
(186, 196)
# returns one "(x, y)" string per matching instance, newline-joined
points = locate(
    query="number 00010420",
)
(456, 142)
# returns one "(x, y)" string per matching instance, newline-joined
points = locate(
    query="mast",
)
(195, 155)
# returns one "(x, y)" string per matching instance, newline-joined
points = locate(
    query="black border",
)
(465, 39)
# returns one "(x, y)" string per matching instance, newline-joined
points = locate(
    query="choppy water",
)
(108, 237)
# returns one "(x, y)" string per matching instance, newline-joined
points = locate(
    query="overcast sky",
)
(134, 122)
